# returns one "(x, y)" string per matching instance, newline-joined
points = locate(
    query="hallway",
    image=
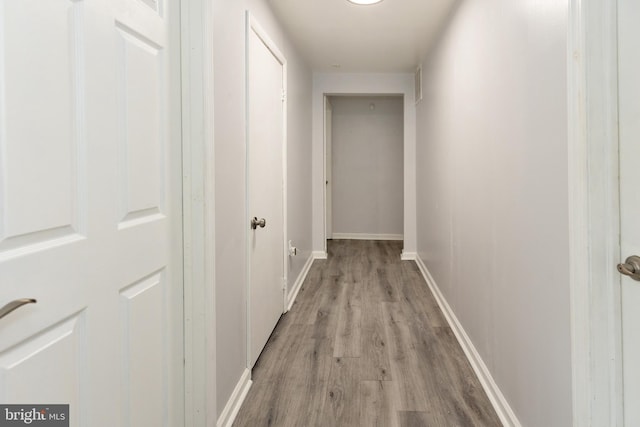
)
(133, 218)
(365, 344)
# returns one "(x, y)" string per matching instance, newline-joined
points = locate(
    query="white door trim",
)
(199, 210)
(327, 141)
(401, 84)
(594, 213)
(253, 25)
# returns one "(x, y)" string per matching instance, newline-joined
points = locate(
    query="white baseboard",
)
(499, 402)
(408, 256)
(319, 255)
(293, 293)
(228, 415)
(365, 236)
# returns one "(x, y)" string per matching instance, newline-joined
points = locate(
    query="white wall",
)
(299, 161)
(368, 84)
(230, 192)
(492, 194)
(367, 165)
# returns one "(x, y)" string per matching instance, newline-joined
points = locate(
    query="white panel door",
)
(629, 107)
(90, 210)
(265, 169)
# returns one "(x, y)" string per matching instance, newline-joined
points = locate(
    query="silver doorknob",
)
(255, 223)
(13, 305)
(631, 267)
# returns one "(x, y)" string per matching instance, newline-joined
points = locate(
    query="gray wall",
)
(367, 164)
(492, 194)
(231, 227)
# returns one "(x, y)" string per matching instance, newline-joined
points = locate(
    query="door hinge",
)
(284, 284)
(284, 96)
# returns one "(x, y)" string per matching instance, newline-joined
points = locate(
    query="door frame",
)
(196, 34)
(253, 25)
(328, 168)
(594, 212)
(401, 84)
(327, 195)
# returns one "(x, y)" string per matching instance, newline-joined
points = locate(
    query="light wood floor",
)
(365, 344)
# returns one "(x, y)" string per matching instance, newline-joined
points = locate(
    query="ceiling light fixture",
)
(363, 2)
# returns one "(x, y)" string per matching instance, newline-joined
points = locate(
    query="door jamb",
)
(196, 34)
(253, 25)
(594, 212)
(328, 195)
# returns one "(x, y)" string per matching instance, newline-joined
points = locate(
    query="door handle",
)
(631, 267)
(255, 223)
(13, 305)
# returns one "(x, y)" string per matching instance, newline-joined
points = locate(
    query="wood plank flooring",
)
(365, 344)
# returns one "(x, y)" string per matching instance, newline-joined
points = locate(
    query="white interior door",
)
(266, 77)
(328, 120)
(90, 210)
(629, 109)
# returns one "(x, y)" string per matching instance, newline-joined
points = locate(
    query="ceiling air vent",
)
(418, 84)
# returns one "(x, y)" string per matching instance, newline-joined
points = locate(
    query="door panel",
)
(139, 102)
(39, 105)
(90, 210)
(266, 245)
(629, 110)
(143, 317)
(22, 366)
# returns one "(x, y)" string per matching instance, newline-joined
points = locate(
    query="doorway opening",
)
(364, 166)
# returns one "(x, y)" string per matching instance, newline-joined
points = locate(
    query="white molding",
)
(594, 228)
(196, 36)
(326, 198)
(319, 255)
(230, 411)
(408, 256)
(324, 173)
(293, 293)
(366, 236)
(499, 402)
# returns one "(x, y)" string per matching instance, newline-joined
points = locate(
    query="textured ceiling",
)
(391, 36)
